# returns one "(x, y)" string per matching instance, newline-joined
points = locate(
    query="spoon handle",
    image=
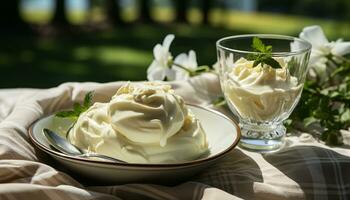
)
(89, 155)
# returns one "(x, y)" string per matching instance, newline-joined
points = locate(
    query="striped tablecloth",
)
(306, 169)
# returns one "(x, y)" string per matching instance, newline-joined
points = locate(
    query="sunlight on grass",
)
(37, 16)
(234, 20)
(77, 17)
(114, 55)
(130, 14)
(281, 24)
(45, 16)
(97, 14)
(122, 55)
(163, 14)
(82, 53)
(195, 16)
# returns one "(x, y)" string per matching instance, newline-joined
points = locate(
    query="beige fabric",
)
(305, 169)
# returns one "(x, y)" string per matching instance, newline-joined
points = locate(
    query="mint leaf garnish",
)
(77, 108)
(265, 58)
(88, 99)
(66, 114)
(259, 45)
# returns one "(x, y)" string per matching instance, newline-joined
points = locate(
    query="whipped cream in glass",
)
(262, 93)
(262, 97)
(142, 123)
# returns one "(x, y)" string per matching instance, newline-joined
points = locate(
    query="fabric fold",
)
(24, 174)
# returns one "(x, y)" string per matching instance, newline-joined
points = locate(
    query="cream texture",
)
(261, 93)
(143, 123)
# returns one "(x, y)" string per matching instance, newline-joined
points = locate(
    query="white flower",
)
(164, 67)
(187, 61)
(159, 68)
(321, 48)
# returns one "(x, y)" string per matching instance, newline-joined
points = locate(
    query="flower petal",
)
(315, 59)
(321, 71)
(155, 71)
(158, 52)
(314, 35)
(341, 48)
(188, 61)
(181, 59)
(192, 60)
(153, 66)
(170, 74)
(156, 74)
(180, 74)
(318, 67)
(167, 41)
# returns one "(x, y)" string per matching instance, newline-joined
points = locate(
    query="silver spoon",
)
(66, 147)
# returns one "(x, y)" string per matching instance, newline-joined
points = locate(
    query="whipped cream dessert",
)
(143, 123)
(261, 93)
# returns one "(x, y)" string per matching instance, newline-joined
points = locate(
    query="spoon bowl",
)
(66, 147)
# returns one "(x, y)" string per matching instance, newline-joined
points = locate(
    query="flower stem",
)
(341, 58)
(184, 68)
(199, 70)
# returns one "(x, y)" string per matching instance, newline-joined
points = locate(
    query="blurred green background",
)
(47, 42)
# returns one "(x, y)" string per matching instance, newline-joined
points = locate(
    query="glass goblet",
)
(260, 92)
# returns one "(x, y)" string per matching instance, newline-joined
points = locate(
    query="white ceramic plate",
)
(222, 133)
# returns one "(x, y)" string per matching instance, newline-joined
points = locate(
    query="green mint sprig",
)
(326, 103)
(265, 57)
(77, 108)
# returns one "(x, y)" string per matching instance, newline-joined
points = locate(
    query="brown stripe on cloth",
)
(42, 192)
(189, 190)
(235, 174)
(14, 146)
(316, 170)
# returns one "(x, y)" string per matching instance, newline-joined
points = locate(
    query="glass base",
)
(262, 138)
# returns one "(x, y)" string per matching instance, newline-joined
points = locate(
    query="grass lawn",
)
(124, 53)
(119, 54)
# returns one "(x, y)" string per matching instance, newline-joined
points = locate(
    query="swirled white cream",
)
(261, 93)
(143, 123)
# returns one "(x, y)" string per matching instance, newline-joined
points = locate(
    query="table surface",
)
(304, 169)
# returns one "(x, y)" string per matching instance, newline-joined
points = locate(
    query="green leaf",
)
(265, 58)
(345, 116)
(272, 62)
(258, 44)
(66, 114)
(310, 120)
(268, 49)
(327, 102)
(252, 56)
(77, 108)
(88, 99)
(256, 63)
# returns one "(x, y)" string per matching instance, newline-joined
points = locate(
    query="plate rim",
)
(138, 165)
